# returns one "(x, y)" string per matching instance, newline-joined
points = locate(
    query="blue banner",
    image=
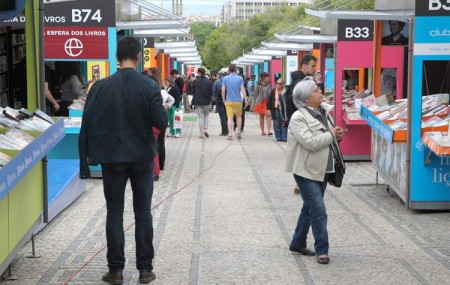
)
(377, 125)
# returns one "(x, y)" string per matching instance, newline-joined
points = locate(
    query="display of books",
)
(72, 122)
(438, 142)
(4, 159)
(19, 135)
(43, 116)
(78, 104)
(9, 143)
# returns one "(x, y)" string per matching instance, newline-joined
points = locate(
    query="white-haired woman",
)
(311, 135)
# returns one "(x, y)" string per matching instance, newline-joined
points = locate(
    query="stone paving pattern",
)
(232, 224)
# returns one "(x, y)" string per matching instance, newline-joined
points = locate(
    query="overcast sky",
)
(194, 7)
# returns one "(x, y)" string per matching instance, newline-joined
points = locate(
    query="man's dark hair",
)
(306, 59)
(232, 68)
(174, 72)
(202, 71)
(128, 48)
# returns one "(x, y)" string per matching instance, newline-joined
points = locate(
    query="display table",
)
(389, 159)
(22, 194)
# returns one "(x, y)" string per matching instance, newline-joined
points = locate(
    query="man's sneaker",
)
(146, 276)
(296, 190)
(114, 278)
(178, 136)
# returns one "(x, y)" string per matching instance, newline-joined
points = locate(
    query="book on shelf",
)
(43, 116)
(8, 144)
(369, 101)
(19, 135)
(4, 159)
(72, 122)
(385, 99)
(397, 125)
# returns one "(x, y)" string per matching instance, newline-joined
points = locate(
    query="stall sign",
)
(432, 28)
(432, 8)
(355, 30)
(84, 13)
(76, 42)
(291, 64)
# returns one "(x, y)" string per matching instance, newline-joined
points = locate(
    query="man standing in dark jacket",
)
(116, 132)
(202, 89)
(307, 68)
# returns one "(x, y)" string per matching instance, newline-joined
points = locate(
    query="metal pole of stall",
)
(41, 85)
(410, 104)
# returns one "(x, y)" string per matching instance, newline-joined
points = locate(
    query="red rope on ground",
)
(154, 207)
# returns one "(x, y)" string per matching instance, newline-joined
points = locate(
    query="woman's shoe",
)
(263, 133)
(270, 134)
(206, 134)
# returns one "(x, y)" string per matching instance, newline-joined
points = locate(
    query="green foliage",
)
(232, 40)
(201, 30)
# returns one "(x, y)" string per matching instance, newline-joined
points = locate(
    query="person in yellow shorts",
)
(233, 87)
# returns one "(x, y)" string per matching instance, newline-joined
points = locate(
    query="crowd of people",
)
(128, 149)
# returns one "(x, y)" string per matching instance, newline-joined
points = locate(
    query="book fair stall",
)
(354, 72)
(410, 137)
(26, 137)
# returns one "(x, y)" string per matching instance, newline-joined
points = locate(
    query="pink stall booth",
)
(354, 73)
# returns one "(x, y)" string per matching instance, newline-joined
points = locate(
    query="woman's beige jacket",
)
(308, 145)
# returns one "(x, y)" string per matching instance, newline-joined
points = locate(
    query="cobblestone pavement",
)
(232, 224)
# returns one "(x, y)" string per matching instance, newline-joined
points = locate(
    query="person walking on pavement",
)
(307, 68)
(277, 109)
(251, 92)
(202, 100)
(189, 92)
(261, 96)
(311, 137)
(233, 85)
(116, 132)
(220, 106)
(173, 91)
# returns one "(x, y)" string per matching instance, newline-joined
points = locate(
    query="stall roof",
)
(287, 46)
(401, 15)
(179, 50)
(193, 63)
(149, 24)
(175, 44)
(242, 63)
(162, 33)
(268, 51)
(256, 57)
(307, 38)
(189, 58)
(182, 54)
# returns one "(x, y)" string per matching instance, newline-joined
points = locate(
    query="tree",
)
(201, 30)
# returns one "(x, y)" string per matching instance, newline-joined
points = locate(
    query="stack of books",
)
(78, 104)
(4, 159)
(15, 139)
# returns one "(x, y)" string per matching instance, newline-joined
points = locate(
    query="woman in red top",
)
(261, 95)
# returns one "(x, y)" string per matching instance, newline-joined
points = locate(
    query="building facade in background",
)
(244, 9)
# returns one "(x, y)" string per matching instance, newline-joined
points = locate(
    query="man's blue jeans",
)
(279, 130)
(115, 177)
(313, 214)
